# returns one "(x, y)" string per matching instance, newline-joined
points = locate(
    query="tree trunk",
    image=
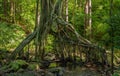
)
(88, 19)
(5, 7)
(112, 35)
(12, 10)
(36, 25)
(50, 14)
(66, 10)
(43, 29)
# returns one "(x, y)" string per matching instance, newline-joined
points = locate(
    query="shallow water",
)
(80, 71)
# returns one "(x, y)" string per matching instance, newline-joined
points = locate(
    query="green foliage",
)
(100, 32)
(115, 74)
(76, 16)
(28, 14)
(10, 35)
(15, 65)
(52, 65)
(3, 55)
(33, 66)
(100, 13)
(49, 45)
(115, 24)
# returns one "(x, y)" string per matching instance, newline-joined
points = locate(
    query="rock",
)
(45, 64)
(2, 73)
(59, 71)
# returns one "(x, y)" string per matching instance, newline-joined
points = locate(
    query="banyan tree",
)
(68, 42)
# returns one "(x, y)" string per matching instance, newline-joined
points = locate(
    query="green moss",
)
(52, 65)
(15, 65)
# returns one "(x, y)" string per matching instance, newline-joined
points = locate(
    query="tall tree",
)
(41, 30)
(66, 9)
(44, 26)
(36, 25)
(48, 15)
(88, 20)
(12, 10)
(5, 2)
(112, 36)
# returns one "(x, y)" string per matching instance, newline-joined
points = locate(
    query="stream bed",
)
(78, 71)
(81, 71)
(60, 71)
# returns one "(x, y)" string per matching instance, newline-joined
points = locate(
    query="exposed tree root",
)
(20, 47)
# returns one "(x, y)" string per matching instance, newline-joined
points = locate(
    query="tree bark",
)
(12, 10)
(88, 19)
(36, 25)
(5, 7)
(66, 9)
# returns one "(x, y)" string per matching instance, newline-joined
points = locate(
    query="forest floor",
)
(20, 67)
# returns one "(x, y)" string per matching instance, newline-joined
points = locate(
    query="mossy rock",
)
(52, 65)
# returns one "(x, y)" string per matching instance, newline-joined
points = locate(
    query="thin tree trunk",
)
(66, 8)
(5, 7)
(112, 35)
(80, 3)
(12, 10)
(36, 25)
(88, 19)
(37, 13)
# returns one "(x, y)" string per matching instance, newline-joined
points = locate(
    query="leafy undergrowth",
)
(116, 74)
(19, 66)
(117, 71)
(22, 68)
(15, 66)
(10, 35)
